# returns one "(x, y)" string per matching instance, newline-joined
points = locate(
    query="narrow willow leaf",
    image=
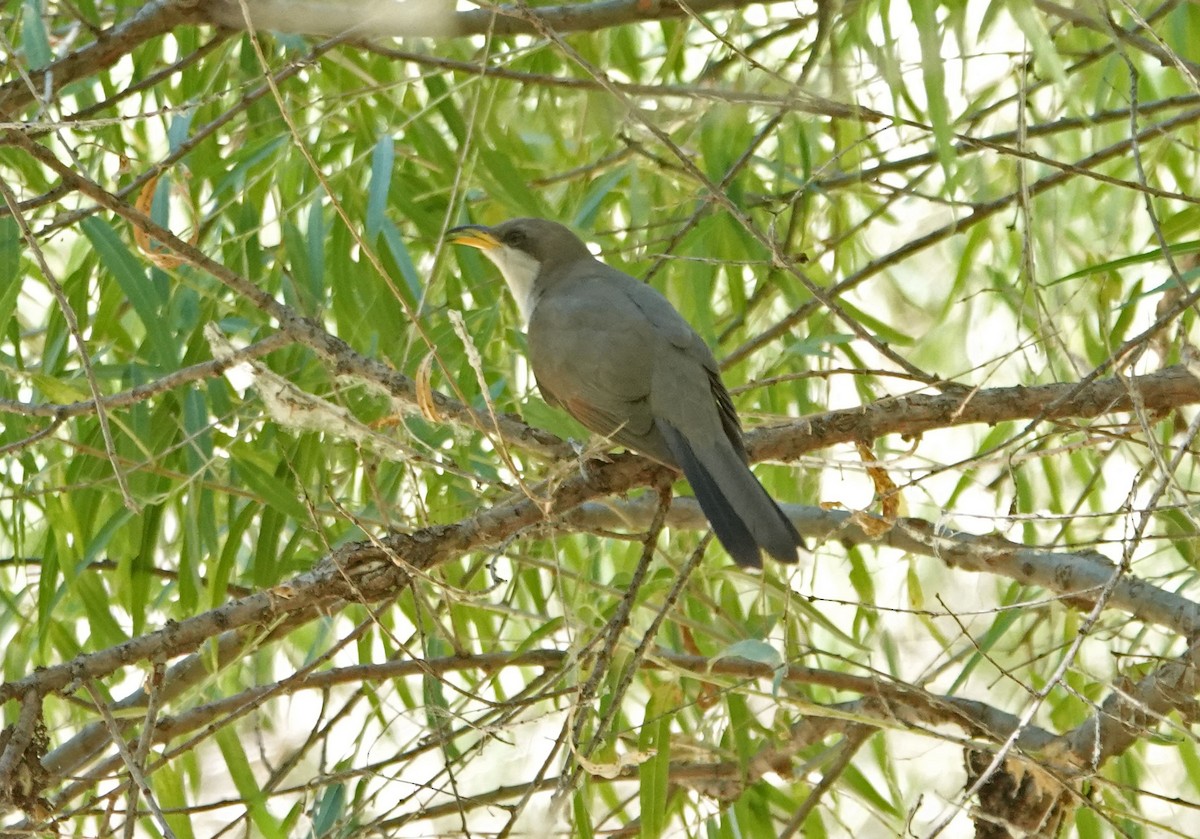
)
(238, 769)
(933, 70)
(399, 252)
(33, 36)
(258, 472)
(655, 774)
(10, 262)
(131, 275)
(383, 159)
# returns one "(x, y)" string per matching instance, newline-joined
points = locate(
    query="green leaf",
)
(1176, 250)
(580, 810)
(60, 390)
(508, 185)
(172, 797)
(199, 435)
(752, 649)
(10, 263)
(233, 178)
(399, 252)
(105, 630)
(1003, 622)
(34, 39)
(933, 70)
(142, 566)
(438, 714)
(1043, 46)
(316, 251)
(301, 272)
(383, 161)
(869, 793)
(141, 293)
(439, 95)
(883, 330)
(181, 125)
(238, 770)
(330, 810)
(654, 776)
(585, 213)
(256, 468)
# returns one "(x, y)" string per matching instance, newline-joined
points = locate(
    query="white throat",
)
(520, 270)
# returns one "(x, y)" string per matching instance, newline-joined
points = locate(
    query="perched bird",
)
(617, 356)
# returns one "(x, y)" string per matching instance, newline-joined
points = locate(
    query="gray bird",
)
(615, 354)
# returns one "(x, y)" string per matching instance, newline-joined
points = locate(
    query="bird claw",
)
(587, 457)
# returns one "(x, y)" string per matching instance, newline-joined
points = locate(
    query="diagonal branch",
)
(111, 45)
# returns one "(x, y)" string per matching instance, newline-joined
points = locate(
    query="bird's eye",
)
(515, 238)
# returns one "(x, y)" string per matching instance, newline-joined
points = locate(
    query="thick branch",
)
(888, 703)
(794, 99)
(1076, 576)
(905, 415)
(910, 416)
(370, 572)
(381, 18)
(1131, 710)
(437, 18)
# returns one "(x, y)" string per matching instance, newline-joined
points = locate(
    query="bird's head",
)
(524, 249)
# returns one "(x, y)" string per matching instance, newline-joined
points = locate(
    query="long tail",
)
(745, 518)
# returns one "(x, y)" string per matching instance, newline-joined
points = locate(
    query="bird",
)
(614, 353)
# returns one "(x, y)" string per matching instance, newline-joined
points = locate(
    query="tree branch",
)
(436, 18)
(910, 416)
(155, 18)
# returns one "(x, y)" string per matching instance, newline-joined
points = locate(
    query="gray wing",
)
(601, 343)
(618, 357)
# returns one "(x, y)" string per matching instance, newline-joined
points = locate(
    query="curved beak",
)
(475, 236)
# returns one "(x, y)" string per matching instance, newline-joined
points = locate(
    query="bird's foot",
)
(587, 457)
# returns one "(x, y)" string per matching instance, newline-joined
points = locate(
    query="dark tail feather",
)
(750, 524)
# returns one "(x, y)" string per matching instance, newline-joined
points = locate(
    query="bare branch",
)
(436, 18)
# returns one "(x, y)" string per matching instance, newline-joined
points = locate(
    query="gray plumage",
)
(617, 356)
